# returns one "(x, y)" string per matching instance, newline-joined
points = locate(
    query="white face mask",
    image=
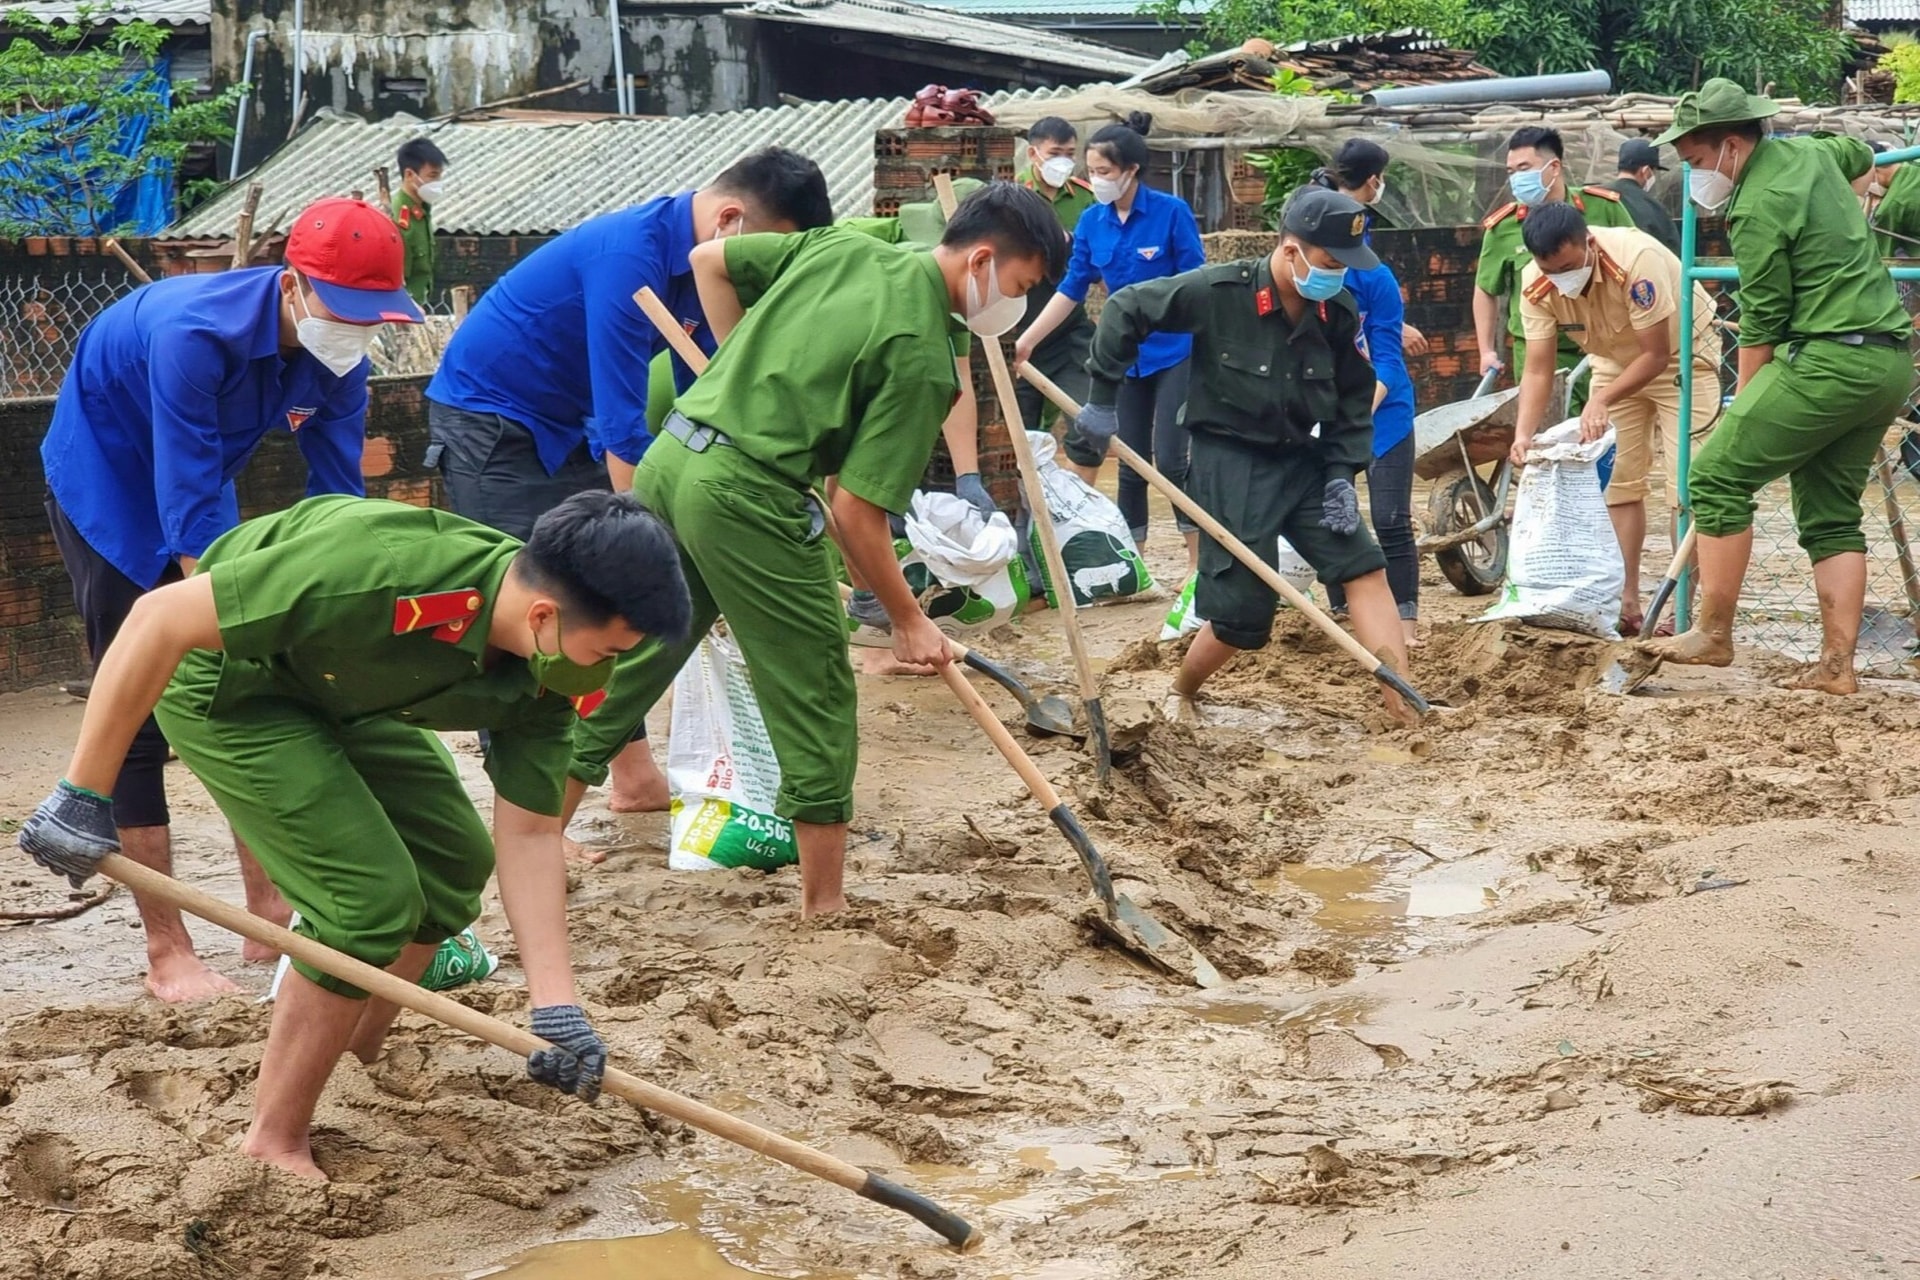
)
(1055, 170)
(1571, 284)
(1710, 188)
(990, 312)
(1108, 190)
(724, 230)
(431, 191)
(1379, 192)
(1875, 189)
(334, 343)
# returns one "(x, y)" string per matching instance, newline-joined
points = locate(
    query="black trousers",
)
(105, 596)
(1390, 503)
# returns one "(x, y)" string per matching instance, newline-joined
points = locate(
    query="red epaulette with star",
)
(1499, 215)
(1601, 193)
(588, 703)
(449, 613)
(404, 216)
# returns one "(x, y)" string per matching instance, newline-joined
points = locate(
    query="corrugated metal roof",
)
(170, 13)
(927, 25)
(513, 177)
(1883, 10)
(1064, 8)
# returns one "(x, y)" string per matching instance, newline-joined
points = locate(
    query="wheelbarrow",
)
(1467, 519)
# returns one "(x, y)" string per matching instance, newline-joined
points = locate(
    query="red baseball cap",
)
(352, 255)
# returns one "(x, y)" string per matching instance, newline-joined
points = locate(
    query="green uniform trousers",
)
(753, 548)
(1566, 356)
(1262, 496)
(1815, 413)
(365, 829)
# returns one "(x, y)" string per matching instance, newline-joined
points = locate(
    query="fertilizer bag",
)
(1564, 570)
(721, 769)
(1095, 544)
(1183, 619)
(964, 568)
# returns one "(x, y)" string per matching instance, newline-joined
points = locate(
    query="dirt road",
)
(1559, 983)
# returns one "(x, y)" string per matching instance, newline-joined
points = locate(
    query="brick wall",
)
(40, 640)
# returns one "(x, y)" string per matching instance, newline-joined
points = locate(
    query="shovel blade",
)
(1623, 674)
(1159, 945)
(1051, 716)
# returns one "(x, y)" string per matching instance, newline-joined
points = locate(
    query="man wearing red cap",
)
(171, 390)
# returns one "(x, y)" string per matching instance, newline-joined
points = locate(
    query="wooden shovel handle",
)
(407, 995)
(990, 724)
(670, 329)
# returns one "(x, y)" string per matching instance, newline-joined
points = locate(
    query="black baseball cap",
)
(1328, 220)
(1638, 153)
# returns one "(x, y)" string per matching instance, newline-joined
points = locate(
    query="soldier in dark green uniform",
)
(1281, 410)
(422, 178)
(1824, 366)
(1052, 149)
(301, 673)
(836, 359)
(1536, 173)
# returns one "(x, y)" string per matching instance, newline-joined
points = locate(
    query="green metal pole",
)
(1683, 465)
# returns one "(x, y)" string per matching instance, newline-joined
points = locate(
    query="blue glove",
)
(1098, 424)
(969, 490)
(579, 1057)
(1340, 507)
(71, 832)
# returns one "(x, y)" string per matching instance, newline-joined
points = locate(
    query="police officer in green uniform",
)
(836, 359)
(1824, 366)
(302, 672)
(1536, 173)
(1052, 151)
(1281, 410)
(423, 170)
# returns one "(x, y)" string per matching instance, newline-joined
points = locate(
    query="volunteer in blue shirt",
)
(543, 391)
(1135, 233)
(171, 390)
(1359, 172)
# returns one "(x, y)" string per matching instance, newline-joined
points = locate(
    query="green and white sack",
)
(1184, 619)
(1095, 543)
(721, 768)
(461, 959)
(965, 570)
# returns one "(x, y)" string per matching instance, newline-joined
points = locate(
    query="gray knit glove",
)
(1340, 507)
(578, 1058)
(71, 832)
(1098, 424)
(969, 489)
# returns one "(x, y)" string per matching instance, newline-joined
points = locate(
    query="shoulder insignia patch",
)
(448, 613)
(1539, 291)
(1080, 182)
(1263, 301)
(1642, 293)
(588, 703)
(1602, 193)
(1499, 215)
(297, 418)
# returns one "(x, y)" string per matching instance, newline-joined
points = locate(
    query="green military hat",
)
(922, 224)
(1718, 101)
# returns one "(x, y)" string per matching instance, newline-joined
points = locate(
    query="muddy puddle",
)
(1397, 905)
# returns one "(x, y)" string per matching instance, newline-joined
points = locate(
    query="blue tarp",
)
(141, 208)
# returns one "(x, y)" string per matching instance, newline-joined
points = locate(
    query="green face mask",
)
(558, 672)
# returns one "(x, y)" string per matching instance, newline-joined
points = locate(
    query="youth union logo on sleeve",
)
(1149, 252)
(297, 418)
(1642, 294)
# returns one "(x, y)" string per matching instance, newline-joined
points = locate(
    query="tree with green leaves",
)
(1795, 46)
(88, 113)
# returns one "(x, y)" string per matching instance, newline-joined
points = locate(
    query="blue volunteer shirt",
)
(1159, 238)
(1382, 313)
(171, 390)
(558, 344)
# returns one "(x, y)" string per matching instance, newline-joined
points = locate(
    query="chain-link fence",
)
(1779, 608)
(41, 317)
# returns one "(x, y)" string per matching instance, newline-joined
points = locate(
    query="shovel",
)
(620, 1084)
(1240, 551)
(1120, 918)
(1667, 584)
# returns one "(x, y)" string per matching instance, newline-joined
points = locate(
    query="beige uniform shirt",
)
(1635, 285)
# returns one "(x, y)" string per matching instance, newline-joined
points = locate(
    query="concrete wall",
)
(694, 62)
(40, 638)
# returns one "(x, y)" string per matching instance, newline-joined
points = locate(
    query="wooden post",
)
(386, 189)
(134, 269)
(243, 232)
(462, 295)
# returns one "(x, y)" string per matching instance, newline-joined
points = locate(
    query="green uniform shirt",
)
(364, 609)
(415, 220)
(1808, 268)
(844, 363)
(1069, 202)
(1897, 220)
(1503, 256)
(1257, 376)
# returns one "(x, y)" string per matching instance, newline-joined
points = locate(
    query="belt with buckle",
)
(692, 434)
(1866, 339)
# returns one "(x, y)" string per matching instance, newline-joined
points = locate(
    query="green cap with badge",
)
(1718, 101)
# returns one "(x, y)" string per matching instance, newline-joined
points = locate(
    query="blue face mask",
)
(1529, 187)
(1320, 283)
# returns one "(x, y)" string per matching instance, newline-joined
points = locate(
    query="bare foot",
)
(1694, 648)
(298, 1162)
(1182, 709)
(826, 907)
(652, 797)
(1832, 674)
(1410, 634)
(582, 855)
(182, 978)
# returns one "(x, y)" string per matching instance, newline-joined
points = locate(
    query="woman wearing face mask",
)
(172, 389)
(1359, 172)
(1134, 234)
(1824, 366)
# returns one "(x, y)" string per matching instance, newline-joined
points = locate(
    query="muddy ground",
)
(1558, 982)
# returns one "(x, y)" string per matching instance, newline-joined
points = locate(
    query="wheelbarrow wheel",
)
(1458, 502)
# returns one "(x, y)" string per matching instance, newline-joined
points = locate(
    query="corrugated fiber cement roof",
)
(519, 177)
(171, 13)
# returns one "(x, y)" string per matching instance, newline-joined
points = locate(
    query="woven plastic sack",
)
(721, 768)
